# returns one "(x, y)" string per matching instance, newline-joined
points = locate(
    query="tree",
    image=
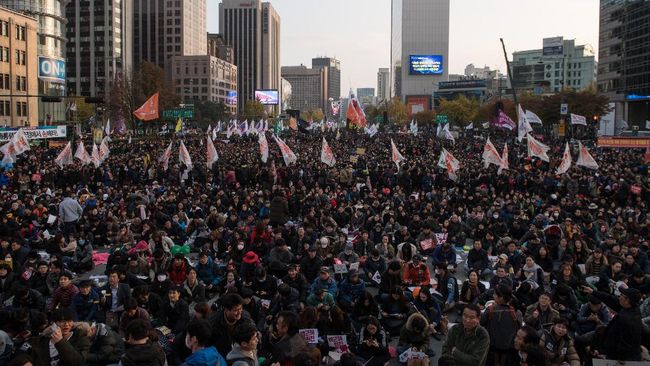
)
(208, 112)
(253, 110)
(397, 112)
(84, 110)
(460, 110)
(317, 115)
(425, 117)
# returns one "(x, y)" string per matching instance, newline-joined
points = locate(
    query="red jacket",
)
(417, 276)
(178, 275)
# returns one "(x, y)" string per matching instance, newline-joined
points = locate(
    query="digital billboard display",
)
(268, 96)
(425, 65)
(231, 97)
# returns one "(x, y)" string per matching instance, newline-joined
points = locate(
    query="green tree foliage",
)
(397, 112)
(425, 117)
(253, 109)
(461, 110)
(207, 112)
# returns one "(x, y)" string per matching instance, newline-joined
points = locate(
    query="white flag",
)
(9, 152)
(104, 152)
(215, 131)
(94, 156)
(533, 118)
(578, 120)
(504, 160)
(624, 125)
(647, 125)
(470, 126)
(65, 156)
(414, 127)
(209, 130)
(523, 127)
(491, 155)
(565, 164)
(288, 155)
(82, 154)
(448, 162)
(129, 139)
(326, 154)
(184, 156)
(166, 155)
(447, 133)
(212, 153)
(107, 128)
(585, 159)
(536, 148)
(395, 154)
(20, 142)
(264, 147)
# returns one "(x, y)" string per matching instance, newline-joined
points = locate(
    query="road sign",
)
(564, 109)
(175, 113)
(441, 119)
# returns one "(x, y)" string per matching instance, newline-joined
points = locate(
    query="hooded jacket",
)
(208, 356)
(106, 347)
(409, 337)
(148, 354)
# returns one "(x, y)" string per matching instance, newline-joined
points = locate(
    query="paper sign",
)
(51, 219)
(338, 342)
(265, 303)
(377, 277)
(309, 335)
(442, 237)
(426, 244)
(354, 158)
(583, 269)
(409, 354)
(493, 258)
(354, 266)
(361, 151)
(340, 268)
(47, 235)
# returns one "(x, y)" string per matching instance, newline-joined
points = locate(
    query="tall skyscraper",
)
(419, 47)
(51, 50)
(383, 84)
(149, 32)
(163, 28)
(333, 70)
(623, 53)
(99, 44)
(252, 28)
(308, 87)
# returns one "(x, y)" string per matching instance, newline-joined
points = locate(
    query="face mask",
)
(240, 247)
(162, 278)
(495, 216)
(323, 245)
(82, 242)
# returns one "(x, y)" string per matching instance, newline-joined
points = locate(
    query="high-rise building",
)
(51, 52)
(205, 78)
(308, 87)
(99, 44)
(419, 48)
(383, 84)
(366, 95)
(252, 28)
(623, 54)
(163, 29)
(218, 48)
(560, 63)
(149, 32)
(18, 68)
(333, 69)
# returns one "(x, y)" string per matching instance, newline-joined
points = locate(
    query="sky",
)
(357, 32)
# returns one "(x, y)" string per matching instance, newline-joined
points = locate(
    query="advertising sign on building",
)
(51, 69)
(417, 103)
(553, 46)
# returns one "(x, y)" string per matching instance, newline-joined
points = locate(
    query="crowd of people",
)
(249, 263)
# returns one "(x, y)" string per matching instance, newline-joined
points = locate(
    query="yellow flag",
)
(179, 125)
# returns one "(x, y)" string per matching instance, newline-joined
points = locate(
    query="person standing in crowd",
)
(70, 212)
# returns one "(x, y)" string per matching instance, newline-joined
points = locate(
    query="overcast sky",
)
(357, 32)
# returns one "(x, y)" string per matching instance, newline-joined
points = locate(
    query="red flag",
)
(326, 154)
(565, 164)
(149, 110)
(212, 153)
(504, 159)
(396, 156)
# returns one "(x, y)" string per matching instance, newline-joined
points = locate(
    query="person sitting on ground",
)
(468, 343)
(197, 338)
(140, 349)
(244, 348)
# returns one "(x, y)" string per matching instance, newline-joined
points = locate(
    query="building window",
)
(5, 108)
(21, 109)
(4, 28)
(20, 33)
(20, 57)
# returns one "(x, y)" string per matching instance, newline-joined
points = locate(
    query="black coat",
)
(106, 347)
(176, 317)
(123, 294)
(623, 336)
(148, 354)
(222, 333)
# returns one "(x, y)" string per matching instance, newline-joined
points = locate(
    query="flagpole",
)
(512, 84)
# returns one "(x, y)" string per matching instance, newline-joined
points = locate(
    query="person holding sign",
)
(373, 348)
(416, 273)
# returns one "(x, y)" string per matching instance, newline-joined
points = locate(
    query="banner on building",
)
(35, 133)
